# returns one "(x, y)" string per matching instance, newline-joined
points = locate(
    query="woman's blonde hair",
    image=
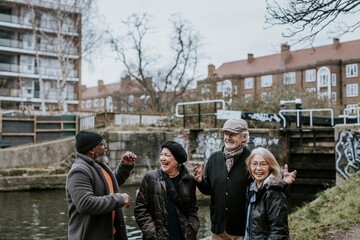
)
(268, 157)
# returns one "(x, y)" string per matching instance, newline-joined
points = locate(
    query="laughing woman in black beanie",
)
(92, 191)
(165, 206)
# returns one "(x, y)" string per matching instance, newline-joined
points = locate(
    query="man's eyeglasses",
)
(260, 165)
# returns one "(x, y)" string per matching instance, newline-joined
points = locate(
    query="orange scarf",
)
(111, 187)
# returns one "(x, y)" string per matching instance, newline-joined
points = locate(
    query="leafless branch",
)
(305, 19)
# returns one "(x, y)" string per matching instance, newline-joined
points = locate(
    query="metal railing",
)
(197, 103)
(351, 112)
(310, 111)
(198, 114)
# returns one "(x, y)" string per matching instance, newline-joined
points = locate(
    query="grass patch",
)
(334, 209)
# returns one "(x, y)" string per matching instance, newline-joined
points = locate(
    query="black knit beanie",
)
(176, 150)
(85, 141)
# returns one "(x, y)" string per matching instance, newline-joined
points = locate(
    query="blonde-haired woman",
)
(267, 215)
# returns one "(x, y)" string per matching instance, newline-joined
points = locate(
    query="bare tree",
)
(163, 78)
(34, 25)
(69, 33)
(305, 19)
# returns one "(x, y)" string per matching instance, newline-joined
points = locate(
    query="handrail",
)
(298, 111)
(351, 109)
(196, 102)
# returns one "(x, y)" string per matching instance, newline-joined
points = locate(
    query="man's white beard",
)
(231, 146)
(102, 158)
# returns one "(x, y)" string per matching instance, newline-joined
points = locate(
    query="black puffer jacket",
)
(268, 218)
(150, 206)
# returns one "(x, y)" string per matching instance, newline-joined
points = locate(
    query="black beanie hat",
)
(85, 141)
(176, 150)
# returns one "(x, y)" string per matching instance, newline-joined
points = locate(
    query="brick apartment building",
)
(124, 96)
(330, 71)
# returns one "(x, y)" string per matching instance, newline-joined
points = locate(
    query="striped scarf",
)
(231, 154)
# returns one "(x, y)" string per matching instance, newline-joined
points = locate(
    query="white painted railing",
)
(309, 111)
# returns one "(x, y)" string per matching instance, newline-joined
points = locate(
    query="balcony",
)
(44, 49)
(45, 72)
(19, 22)
(70, 7)
(49, 94)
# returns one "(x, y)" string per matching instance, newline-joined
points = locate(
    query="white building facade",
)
(39, 55)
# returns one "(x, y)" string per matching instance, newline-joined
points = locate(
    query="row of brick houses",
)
(124, 96)
(330, 71)
(30, 72)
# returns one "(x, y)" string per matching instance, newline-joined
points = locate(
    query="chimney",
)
(336, 43)
(285, 53)
(211, 70)
(250, 58)
(100, 85)
(126, 79)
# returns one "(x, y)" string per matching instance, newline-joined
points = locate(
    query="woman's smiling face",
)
(259, 168)
(168, 163)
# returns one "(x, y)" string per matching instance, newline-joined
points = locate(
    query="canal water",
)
(43, 215)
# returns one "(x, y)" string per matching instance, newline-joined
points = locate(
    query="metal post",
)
(199, 115)
(298, 106)
(184, 116)
(215, 116)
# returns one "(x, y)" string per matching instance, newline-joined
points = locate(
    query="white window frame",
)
(249, 83)
(89, 103)
(323, 95)
(352, 90)
(131, 99)
(333, 96)
(248, 96)
(310, 75)
(205, 89)
(289, 78)
(265, 95)
(266, 81)
(219, 87)
(323, 78)
(333, 79)
(311, 90)
(227, 88)
(96, 102)
(352, 70)
(349, 106)
(235, 90)
(102, 102)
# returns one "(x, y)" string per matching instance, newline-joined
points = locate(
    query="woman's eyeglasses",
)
(260, 165)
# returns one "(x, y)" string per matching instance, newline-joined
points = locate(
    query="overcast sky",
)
(230, 29)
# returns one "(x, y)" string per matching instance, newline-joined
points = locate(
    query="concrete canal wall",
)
(45, 165)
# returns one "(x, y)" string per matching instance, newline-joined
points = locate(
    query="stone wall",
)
(199, 144)
(145, 144)
(45, 154)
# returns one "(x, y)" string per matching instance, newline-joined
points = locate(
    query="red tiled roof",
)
(126, 87)
(299, 58)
